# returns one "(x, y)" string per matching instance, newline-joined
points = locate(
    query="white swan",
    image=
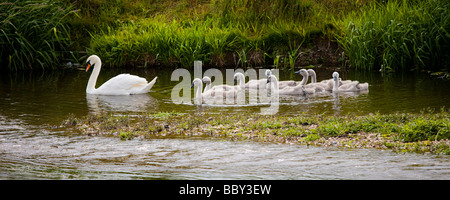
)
(349, 87)
(122, 84)
(292, 90)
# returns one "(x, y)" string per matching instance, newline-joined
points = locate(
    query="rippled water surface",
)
(32, 103)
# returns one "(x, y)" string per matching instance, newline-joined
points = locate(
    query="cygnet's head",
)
(302, 72)
(335, 76)
(196, 81)
(311, 72)
(268, 73)
(271, 78)
(206, 80)
(238, 76)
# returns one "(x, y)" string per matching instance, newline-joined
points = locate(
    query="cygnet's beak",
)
(297, 72)
(192, 85)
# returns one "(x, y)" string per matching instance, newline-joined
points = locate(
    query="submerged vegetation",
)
(391, 35)
(428, 131)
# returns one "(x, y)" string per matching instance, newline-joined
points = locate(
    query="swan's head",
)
(196, 81)
(92, 61)
(206, 80)
(302, 72)
(335, 76)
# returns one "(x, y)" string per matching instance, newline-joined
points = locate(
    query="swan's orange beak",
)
(88, 66)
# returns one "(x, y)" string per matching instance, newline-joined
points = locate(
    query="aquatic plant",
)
(33, 34)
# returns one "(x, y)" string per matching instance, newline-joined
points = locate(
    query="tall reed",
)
(398, 35)
(33, 34)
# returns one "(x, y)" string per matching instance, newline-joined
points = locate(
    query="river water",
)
(32, 104)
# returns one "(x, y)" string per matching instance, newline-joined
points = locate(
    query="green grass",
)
(221, 33)
(33, 34)
(398, 35)
(386, 35)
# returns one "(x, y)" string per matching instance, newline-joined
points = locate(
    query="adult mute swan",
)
(353, 86)
(292, 90)
(122, 84)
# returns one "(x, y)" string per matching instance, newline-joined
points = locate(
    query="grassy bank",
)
(392, 36)
(370, 35)
(402, 132)
(222, 33)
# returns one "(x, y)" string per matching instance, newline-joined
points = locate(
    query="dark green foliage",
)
(399, 35)
(33, 34)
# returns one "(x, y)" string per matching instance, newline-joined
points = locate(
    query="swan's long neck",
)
(304, 80)
(274, 81)
(93, 79)
(198, 94)
(241, 79)
(207, 87)
(313, 77)
(336, 83)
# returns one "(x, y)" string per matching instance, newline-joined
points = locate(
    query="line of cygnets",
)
(271, 83)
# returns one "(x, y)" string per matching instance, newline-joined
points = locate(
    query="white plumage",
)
(122, 84)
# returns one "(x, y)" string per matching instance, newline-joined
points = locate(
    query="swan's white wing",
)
(122, 84)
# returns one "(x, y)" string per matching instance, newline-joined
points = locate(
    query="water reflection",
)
(121, 103)
(351, 96)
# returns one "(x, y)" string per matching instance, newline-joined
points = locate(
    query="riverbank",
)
(280, 34)
(428, 131)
